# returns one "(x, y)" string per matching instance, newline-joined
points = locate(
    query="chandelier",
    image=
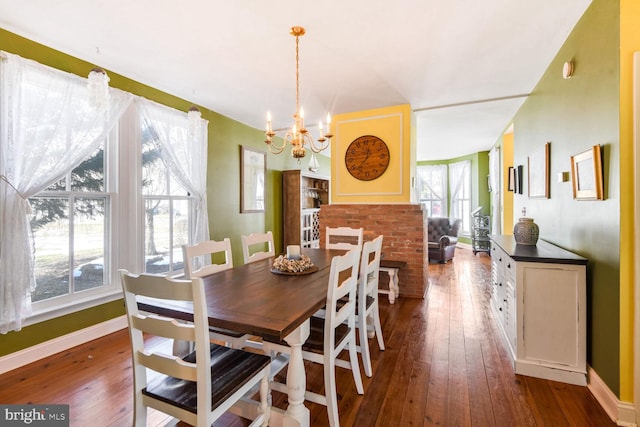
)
(298, 136)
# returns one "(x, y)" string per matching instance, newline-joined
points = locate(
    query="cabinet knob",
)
(500, 309)
(500, 259)
(509, 265)
(500, 284)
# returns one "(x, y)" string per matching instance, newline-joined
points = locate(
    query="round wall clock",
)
(367, 157)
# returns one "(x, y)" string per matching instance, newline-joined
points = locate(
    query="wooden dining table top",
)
(250, 299)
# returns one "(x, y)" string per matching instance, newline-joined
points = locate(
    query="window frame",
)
(465, 165)
(126, 227)
(443, 170)
(111, 290)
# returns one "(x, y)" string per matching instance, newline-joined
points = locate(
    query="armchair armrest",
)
(447, 241)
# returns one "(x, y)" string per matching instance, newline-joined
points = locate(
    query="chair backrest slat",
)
(344, 238)
(164, 327)
(169, 365)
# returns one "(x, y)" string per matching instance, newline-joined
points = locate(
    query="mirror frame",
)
(253, 164)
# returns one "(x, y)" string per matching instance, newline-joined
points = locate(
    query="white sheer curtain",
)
(47, 127)
(457, 174)
(184, 152)
(494, 179)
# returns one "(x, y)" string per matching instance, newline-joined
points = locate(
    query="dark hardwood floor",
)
(445, 364)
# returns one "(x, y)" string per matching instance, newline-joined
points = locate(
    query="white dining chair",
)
(367, 312)
(257, 246)
(328, 337)
(197, 263)
(197, 258)
(201, 387)
(344, 238)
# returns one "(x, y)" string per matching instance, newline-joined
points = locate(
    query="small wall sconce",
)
(567, 70)
(563, 176)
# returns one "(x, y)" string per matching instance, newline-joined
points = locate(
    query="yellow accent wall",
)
(393, 126)
(629, 43)
(507, 203)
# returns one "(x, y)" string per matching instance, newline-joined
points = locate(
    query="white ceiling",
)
(237, 58)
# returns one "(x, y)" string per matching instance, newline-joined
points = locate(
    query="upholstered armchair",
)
(442, 238)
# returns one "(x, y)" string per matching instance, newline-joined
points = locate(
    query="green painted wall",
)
(223, 184)
(480, 195)
(574, 115)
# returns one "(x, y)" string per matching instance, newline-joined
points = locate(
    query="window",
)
(111, 186)
(167, 213)
(70, 225)
(433, 189)
(460, 179)
(447, 185)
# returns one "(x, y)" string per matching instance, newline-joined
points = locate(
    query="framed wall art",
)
(538, 169)
(586, 174)
(511, 183)
(253, 172)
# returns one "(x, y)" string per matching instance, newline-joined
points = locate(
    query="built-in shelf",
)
(303, 195)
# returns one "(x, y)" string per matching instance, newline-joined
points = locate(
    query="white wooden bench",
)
(392, 267)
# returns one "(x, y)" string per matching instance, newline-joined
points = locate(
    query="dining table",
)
(255, 299)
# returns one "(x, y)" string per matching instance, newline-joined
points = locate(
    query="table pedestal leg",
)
(297, 414)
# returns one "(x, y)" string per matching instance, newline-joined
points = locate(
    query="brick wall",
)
(404, 237)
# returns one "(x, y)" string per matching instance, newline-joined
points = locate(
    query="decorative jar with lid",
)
(526, 231)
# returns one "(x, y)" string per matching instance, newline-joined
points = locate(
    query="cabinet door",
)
(509, 308)
(495, 266)
(498, 258)
(551, 314)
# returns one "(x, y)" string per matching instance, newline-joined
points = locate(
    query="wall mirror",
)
(253, 172)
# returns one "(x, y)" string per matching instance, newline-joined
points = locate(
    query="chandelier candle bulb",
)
(328, 135)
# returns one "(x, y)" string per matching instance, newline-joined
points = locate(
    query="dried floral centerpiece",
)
(286, 265)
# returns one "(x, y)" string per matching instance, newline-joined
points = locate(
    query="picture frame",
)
(517, 179)
(511, 179)
(586, 174)
(253, 177)
(538, 170)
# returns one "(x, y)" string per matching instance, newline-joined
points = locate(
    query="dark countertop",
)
(543, 251)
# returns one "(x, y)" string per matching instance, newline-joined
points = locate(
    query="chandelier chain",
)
(297, 75)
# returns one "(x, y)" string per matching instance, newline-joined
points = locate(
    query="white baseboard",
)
(56, 345)
(622, 413)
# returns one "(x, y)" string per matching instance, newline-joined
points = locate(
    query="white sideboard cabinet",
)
(539, 300)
